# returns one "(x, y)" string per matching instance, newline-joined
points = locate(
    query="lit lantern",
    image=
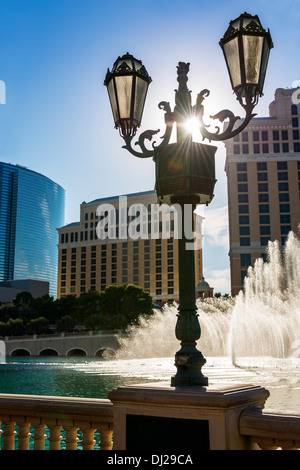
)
(127, 84)
(246, 47)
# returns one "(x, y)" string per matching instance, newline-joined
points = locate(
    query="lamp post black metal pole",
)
(190, 181)
(188, 360)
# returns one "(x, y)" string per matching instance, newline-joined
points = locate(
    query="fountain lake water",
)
(253, 338)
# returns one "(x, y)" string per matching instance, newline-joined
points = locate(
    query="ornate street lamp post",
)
(185, 170)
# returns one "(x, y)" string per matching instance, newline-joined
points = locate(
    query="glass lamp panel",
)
(139, 99)
(231, 51)
(265, 59)
(113, 101)
(124, 90)
(252, 56)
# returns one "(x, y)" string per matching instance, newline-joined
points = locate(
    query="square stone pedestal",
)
(158, 417)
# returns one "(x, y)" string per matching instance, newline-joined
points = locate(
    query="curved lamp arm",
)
(229, 132)
(148, 135)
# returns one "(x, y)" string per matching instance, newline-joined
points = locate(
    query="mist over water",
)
(263, 321)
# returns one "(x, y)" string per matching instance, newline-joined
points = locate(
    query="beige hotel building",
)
(89, 263)
(263, 179)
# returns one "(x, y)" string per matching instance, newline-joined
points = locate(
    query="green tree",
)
(126, 301)
(67, 305)
(14, 327)
(88, 304)
(23, 298)
(3, 328)
(46, 306)
(38, 325)
(66, 323)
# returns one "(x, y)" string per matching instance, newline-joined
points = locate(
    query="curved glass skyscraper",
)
(32, 207)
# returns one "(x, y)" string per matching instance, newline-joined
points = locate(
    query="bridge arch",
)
(105, 353)
(76, 352)
(48, 352)
(18, 352)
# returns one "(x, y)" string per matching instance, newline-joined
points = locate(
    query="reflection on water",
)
(82, 377)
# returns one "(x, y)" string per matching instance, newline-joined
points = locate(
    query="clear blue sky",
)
(57, 119)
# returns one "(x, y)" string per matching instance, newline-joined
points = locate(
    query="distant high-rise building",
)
(263, 176)
(32, 207)
(87, 262)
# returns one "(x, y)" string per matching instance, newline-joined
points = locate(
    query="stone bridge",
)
(64, 344)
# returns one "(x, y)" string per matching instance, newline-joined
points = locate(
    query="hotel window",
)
(256, 148)
(245, 241)
(265, 148)
(255, 136)
(275, 135)
(264, 135)
(294, 110)
(244, 230)
(296, 134)
(285, 229)
(283, 186)
(264, 219)
(282, 176)
(241, 166)
(263, 197)
(243, 188)
(243, 209)
(243, 198)
(245, 260)
(295, 122)
(284, 197)
(285, 219)
(284, 207)
(296, 146)
(236, 138)
(284, 135)
(264, 240)
(276, 148)
(245, 148)
(263, 208)
(281, 165)
(242, 177)
(245, 136)
(243, 275)
(285, 147)
(236, 149)
(244, 220)
(265, 230)
(262, 176)
(261, 166)
(263, 187)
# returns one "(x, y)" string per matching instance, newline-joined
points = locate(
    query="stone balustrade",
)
(41, 422)
(55, 423)
(271, 430)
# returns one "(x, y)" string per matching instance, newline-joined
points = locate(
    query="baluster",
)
(23, 436)
(9, 435)
(39, 437)
(55, 437)
(266, 443)
(0, 435)
(88, 440)
(71, 437)
(287, 444)
(106, 438)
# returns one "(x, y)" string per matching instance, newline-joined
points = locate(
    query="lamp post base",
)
(189, 372)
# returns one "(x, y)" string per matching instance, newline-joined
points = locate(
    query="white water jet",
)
(263, 320)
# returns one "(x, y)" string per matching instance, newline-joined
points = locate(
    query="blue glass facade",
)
(32, 207)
